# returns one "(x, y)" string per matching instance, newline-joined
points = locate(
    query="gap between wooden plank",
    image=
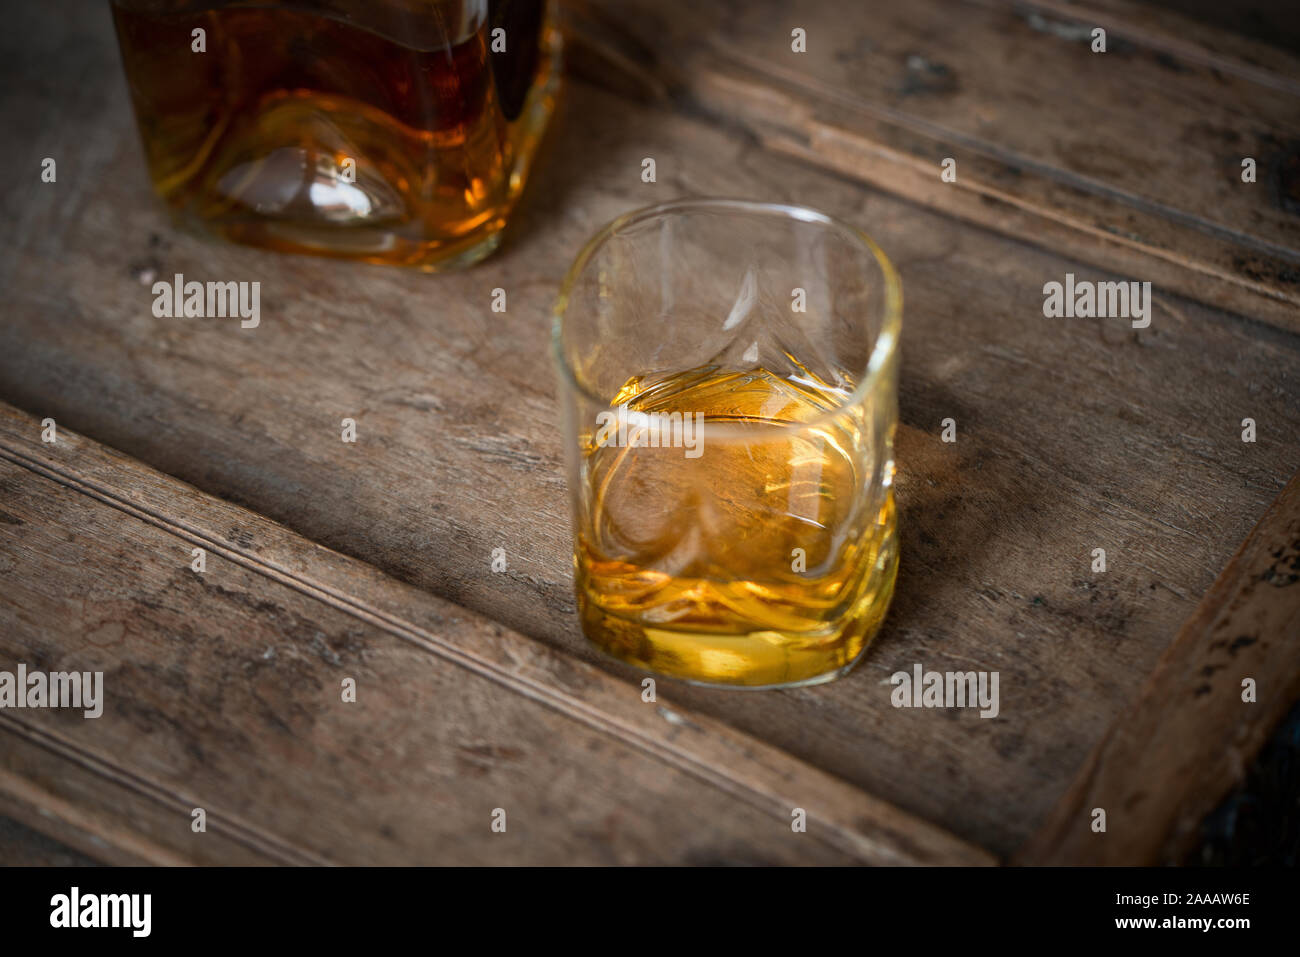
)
(745, 768)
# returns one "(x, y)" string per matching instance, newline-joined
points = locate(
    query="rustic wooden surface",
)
(1245, 629)
(223, 691)
(1129, 159)
(21, 846)
(1073, 434)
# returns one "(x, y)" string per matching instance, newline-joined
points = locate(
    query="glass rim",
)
(886, 339)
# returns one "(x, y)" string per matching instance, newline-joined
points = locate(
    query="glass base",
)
(432, 256)
(756, 661)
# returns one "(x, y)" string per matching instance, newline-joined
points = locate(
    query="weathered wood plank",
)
(1128, 159)
(21, 846)
(63, 801)
(1073, 435)
(1188, 737)
(224, 692)
(1258, 38)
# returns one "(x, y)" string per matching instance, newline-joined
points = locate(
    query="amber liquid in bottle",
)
(346, 129)
(759, 563)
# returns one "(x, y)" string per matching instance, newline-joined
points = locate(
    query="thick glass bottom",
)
(755, 660)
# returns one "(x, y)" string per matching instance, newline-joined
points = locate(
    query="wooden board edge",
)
(1189, 735)
(111, 830)
(76, 827)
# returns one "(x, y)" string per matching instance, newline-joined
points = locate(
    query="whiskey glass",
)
(390, 131)
(728, 376)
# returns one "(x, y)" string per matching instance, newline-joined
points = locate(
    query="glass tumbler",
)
(728, 373)
(391, 131)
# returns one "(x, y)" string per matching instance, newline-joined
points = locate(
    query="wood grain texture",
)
(1128, 159)
(1256, 39)
(1072, 434)
(224, 692)
(1188, 737)
(21, 846)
